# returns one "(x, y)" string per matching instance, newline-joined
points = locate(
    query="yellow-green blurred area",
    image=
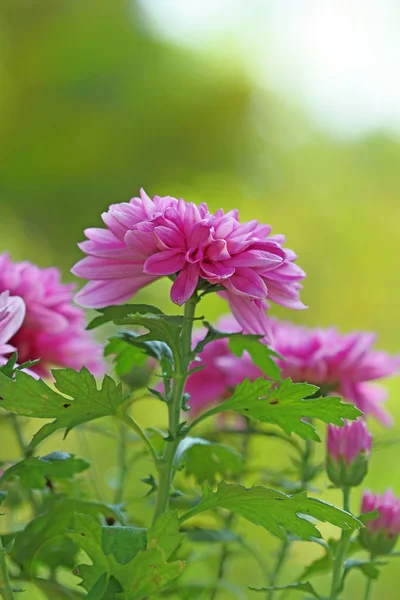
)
(96, 103)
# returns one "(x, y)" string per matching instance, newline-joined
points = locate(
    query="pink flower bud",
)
(348, 449)
(380, 534)
(349, 441)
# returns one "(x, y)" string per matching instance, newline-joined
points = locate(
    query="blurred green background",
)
(99, 98)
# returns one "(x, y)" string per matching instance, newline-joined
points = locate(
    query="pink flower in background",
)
(12, 314)
(222, 371)
(349, 441)
(53, 329)
(388, 507)
(147, 239)
(345, 364)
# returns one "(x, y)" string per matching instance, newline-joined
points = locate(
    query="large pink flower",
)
(12, 314)
(345, 364)
(146, 239)
(53, 329)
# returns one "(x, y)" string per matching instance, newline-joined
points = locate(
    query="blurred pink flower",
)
(349, 441)
(345, 364)
(12, 314)
(53, 329)
(222, 371)
(388, 507)
(147, 239)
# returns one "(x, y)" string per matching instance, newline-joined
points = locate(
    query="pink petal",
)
(247, 282)
(12, 314)
(92, 267)
(97, 294)
(185, 284)
(165, 263)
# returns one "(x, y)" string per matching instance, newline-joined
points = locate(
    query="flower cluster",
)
(148, 238)
(46, 325)
(344, 364)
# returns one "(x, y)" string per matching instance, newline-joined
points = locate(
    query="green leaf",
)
(147, 573)
(273, 510)
(239, 343)
(205, 460)
(34, 472)
(286, 405)
(56, 591)
(81, 400)
(160, 327)
(154, 349)
(165, 533)
(123, 542)
(296, 587)
(125, 356)
(3, 496)
(9, 368)
(43, 540)
(260, 354)
(118, 313)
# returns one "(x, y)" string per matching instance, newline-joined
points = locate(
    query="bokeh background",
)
(288, 110)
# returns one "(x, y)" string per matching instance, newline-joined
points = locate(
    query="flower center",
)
(194, 255)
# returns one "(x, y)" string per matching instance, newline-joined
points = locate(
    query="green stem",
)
(26, 454)
(340, 552)
(282, 555)
(5, 584)
(182, 358)
(368, 589)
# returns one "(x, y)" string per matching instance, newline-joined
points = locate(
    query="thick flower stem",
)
(5, 585)
(182, 358)
(340, 552)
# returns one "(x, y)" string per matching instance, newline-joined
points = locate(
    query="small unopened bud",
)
(348, 450)
(380, 535)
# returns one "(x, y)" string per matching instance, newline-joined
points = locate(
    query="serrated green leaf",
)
(273, 510)
(260, 354)
(43, 540)
(34, 472)
(206, 460)
(123, 542)
(146, 574)
(114, 313)
(81, 400)
(165, 533)
(296, 587)
(286, 405)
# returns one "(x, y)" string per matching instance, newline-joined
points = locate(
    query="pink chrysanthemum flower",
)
(345, 364)
(53, 329)
(147, 239)
(12, 314)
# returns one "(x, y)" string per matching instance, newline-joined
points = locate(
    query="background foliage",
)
(94, 105)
